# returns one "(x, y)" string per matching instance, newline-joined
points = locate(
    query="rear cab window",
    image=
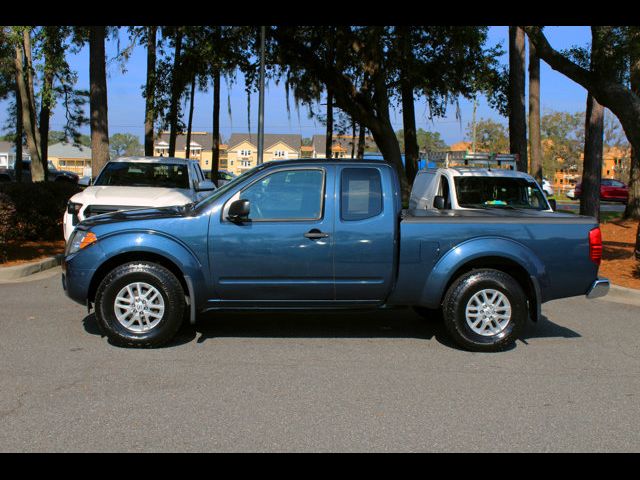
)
(360, 193)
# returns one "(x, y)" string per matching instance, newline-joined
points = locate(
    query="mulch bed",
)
(23, 252)
(618, 260)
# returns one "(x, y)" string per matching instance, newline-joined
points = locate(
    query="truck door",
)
(284, 255)
(365, 233)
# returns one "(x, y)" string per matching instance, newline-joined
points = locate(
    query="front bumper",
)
(599, 288)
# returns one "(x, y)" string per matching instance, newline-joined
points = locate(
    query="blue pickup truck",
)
(328, 234)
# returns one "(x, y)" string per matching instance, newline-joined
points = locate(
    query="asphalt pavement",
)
(383, 381)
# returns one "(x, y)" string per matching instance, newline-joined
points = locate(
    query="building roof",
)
(68, 150)
(203, 139)
(293, 140)
(6, 147)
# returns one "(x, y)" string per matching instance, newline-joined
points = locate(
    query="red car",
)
(610, 191)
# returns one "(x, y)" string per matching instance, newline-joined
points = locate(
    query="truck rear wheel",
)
(485, 310)
(140, 304)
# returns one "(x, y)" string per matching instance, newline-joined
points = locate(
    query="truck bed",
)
(552, 246)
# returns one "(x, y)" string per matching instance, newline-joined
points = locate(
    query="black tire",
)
(460, 293)
(158, 277)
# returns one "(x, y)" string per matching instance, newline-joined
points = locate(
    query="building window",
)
(245, 163)
(280, 154)
(245, 153)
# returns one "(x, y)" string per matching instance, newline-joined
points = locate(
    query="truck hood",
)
(137, 215)
(133, 196)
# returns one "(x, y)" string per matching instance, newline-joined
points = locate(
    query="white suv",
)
(128, 183)
(463, 188)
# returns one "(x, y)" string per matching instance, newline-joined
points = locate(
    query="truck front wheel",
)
(140, 304)
(485, 310)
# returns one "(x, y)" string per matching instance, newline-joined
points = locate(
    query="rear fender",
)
(475, 250)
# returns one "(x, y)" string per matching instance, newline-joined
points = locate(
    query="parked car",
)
(55, 175)
(610, 191)
(464, 188)
(138, 182)
(571, 193)
(328, 234)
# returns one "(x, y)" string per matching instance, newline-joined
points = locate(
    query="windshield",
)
(137, 174)
(499, 192)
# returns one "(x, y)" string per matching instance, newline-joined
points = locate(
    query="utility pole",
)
(261, 100)
(473, 122)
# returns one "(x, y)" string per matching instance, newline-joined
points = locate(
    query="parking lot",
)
(384, 381)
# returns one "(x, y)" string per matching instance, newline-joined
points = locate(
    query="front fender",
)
(157, 243)
(475, 249)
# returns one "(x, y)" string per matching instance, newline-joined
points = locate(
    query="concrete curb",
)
(26, 269)
(618, 294)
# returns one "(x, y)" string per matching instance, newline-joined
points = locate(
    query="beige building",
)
(242, 151)
(201, 148)
(66, 156)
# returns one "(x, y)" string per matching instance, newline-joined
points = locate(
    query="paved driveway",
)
(384, 381)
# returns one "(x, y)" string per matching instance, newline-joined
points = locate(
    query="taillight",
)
(595, 245)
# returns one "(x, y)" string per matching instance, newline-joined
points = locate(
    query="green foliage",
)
(33, 211)
(56, 136)
(427, 141)
(125, 144)
(491, 136)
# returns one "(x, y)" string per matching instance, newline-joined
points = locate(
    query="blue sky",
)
(126, 105)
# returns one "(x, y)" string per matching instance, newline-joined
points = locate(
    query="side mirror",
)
(205, 185)
(438, 202)
(239, 211)
(552, 203)
(84, 181)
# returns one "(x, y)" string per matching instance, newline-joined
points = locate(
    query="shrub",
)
(34, 211)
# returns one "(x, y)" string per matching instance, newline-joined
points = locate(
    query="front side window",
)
(138, 174)
(499, 192)
(287, 195)
(360, 193)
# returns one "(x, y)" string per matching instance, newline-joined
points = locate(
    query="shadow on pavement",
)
(397, 323)
(545, 328)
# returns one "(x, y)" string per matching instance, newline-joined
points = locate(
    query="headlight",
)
(73, 208)
(80, 239)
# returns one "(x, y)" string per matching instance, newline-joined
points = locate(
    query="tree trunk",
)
(608, 92)
(215, 155)
(329, 139)
(592, 170)
(175, 95)
(28, 115)
(45, 114)
(98, 100)
(353, 139)
(633, 206)
(191, 98)
(150, 91)
(411, 151)
(361, 141)
(534, 113)
(517, 112)
(19, 131)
